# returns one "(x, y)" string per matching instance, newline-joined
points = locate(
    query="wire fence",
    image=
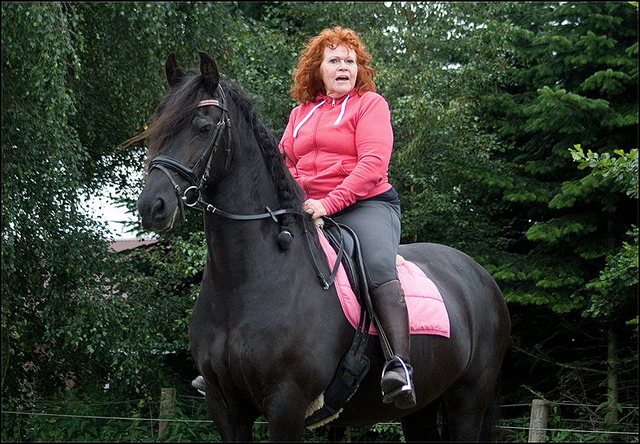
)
(191, 406)
(208, 421)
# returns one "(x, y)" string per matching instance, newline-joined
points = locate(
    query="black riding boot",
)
(391, 309)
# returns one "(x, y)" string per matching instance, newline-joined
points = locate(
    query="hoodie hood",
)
(322, 96)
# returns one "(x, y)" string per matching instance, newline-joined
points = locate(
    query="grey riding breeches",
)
(377, 224)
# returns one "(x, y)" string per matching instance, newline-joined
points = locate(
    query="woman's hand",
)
(314, 208)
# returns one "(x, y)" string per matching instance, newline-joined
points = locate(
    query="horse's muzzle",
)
(158, 212)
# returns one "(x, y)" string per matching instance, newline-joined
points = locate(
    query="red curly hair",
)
(307, 81)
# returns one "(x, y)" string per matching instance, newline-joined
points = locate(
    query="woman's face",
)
(338, 70)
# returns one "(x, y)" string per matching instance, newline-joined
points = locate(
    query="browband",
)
(213, 102)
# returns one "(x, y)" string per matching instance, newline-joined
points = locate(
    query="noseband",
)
(192, 196)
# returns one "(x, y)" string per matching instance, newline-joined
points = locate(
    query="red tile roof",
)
(128, 244)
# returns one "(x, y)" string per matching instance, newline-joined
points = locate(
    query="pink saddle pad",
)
(427, 312)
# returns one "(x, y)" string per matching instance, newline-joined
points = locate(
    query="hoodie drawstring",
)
(313, 110)
(344, 106)
(307, 117)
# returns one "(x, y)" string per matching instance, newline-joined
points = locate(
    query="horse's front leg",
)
(234, 419)
(285, 410)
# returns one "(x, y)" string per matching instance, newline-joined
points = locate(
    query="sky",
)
(104, 210)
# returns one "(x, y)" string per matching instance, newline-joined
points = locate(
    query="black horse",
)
(264, 333)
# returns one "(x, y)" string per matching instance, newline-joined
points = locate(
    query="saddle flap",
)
(339, 237)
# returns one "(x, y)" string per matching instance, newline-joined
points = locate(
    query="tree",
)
(85, 80)
(443, 56)
(41, 215)
(72, 92)
(572, 81)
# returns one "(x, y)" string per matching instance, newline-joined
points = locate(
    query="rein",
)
(326, 282)
(269, 214)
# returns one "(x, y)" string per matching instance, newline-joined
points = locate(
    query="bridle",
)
(192, 196)
(167, 164)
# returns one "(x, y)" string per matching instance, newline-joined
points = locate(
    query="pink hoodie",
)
(338, 150)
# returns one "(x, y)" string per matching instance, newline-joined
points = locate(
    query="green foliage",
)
(52, 252)
(562, 228)
(435, 68)
(486, 99)
(568, 422)
(571, 83)
(73, 313)
(388, 432)
(618, 171)
(76, 416)
(570, 247)
(614, 288)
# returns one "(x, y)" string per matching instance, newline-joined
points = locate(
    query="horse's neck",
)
(246, 255)
(247, 187)
(243, 246)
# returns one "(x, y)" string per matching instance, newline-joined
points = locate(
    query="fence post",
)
(538, 423)
(167, 408)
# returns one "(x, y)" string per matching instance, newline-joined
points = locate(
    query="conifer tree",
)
(573, 231)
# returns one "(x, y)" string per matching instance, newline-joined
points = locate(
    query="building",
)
(127, 244)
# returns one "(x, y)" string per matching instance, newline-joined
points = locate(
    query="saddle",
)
(355, 364)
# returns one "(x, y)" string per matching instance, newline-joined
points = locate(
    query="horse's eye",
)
(205, 129)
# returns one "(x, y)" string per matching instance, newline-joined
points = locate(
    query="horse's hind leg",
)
(335, 433)
(466, 404)
(423, 424)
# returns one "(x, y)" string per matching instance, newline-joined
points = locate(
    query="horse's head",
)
(186, 143)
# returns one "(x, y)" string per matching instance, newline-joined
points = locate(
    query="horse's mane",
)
(289, 193)
(177, 108)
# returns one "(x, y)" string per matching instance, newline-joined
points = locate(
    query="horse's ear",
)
(209, 71)
(172, 71)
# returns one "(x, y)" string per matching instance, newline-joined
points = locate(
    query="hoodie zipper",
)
(321, 111)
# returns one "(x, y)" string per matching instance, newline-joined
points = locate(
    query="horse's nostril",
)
(156, 212)
(158, 208)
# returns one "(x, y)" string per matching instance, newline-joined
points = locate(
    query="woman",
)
(337, 146)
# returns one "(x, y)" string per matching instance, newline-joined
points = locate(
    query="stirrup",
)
(404, 396)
